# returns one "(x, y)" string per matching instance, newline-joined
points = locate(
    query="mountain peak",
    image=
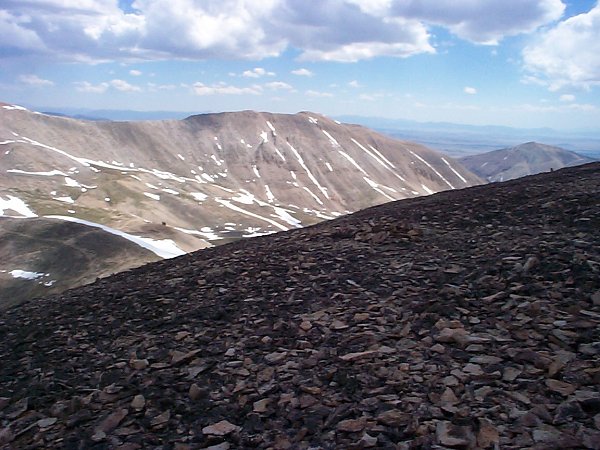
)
(521, 160)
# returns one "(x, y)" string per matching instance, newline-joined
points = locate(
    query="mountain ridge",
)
(521, 160)
(208, 179)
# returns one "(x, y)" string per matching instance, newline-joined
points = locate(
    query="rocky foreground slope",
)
(466, 319)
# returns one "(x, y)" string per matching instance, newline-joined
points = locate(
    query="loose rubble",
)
(468, 319)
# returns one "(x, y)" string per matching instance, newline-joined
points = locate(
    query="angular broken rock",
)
(457, 335)
(275, 357)
(454, 435)
(560, 386)
(195, 392)
(138, 364)
(138, 402)
(47, 422)
(261, 406)
(487, 435)
(352, 425)
(161, 420)
(368, 441)
(358, 355)
(221, 428)
(394, 418)
(112, 421)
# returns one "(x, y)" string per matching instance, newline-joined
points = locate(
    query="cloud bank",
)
(336, 30)
(567, 54)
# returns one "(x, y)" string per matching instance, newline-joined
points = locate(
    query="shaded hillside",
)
(39, 257)
(521, 160)
(466, 319)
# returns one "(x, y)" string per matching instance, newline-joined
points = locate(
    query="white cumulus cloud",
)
(224, 89)
(318, 94)
(331, 30)
(481, 21)
(470, 90)
(302, 72)
(135, 73)
(279, 85)
(86, 86)
(257, 72)
(34, 80)
(568, 98)
(124, 86)
(567, 54)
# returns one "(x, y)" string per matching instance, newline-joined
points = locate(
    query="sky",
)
(521, 63)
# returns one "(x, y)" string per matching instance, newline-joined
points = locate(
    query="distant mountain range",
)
(176, 186)
(521, 160)
(459, 140)
(454, 139)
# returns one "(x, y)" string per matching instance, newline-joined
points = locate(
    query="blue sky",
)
(523, 63)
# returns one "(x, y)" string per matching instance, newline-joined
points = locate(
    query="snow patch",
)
(165, 248)
(375, 187)
(152, 196)
(308, 172)
(334, 143)
(244, 197)
(180, 157)
(382, 156)
(270, 125)
(455, 172)
(371, 154)
(329, 166)
(199, 196)
(206, 232)
(280, 154)
(65, 199)
(430, 166)
(233, 207)
(17, 205)
(354, 163)
(41, 174)
(270, 195)
(317, 199)
(426, 189)
(14, 108)
(18, 273)
(285, 215)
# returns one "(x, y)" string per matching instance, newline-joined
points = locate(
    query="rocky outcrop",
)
(466, 319)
